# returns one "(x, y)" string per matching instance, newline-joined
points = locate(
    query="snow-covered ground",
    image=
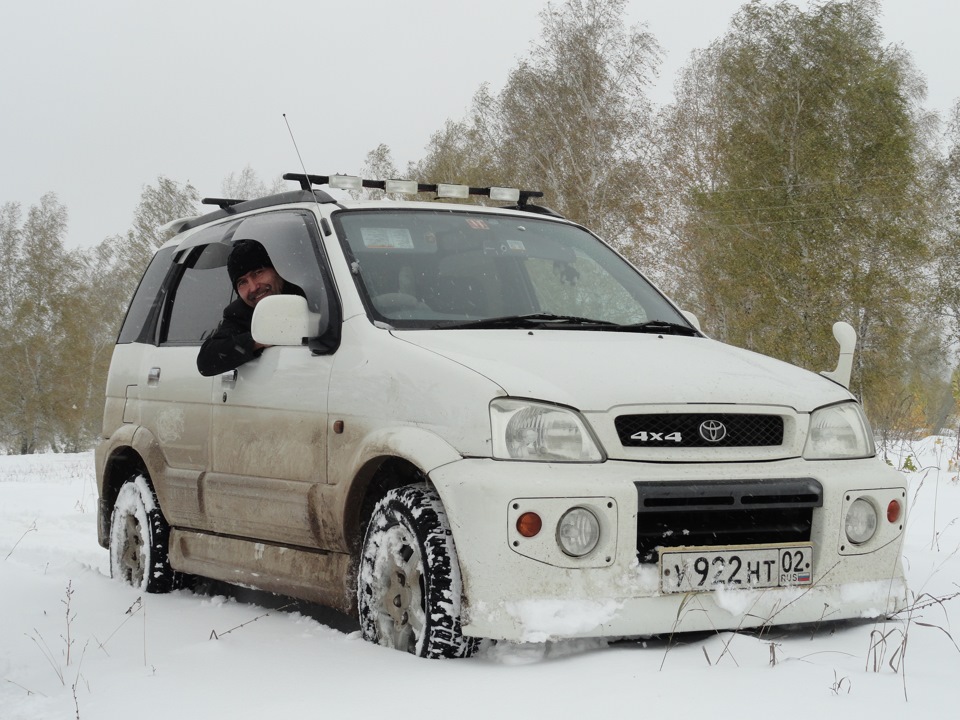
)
(74, 643)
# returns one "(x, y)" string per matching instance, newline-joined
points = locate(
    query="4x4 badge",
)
(713, 430)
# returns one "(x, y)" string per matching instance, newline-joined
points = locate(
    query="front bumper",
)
(527, 590)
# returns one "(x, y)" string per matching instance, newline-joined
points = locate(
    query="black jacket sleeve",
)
(231, 345)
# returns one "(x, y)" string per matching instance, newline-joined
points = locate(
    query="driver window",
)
(291, 240)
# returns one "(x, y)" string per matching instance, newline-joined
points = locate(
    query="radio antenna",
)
(294, 141)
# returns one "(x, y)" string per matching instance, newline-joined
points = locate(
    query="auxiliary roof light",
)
(345, 182)
(407, 187)
(506, 194)
(445, 190)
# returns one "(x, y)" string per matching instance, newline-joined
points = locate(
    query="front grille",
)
(699, 430)
(724, 513)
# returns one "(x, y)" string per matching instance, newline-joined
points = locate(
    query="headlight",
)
(861, 521)
(839, 431)
(524, 430)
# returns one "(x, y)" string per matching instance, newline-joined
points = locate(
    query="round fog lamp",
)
(578, 532)
(861, 521)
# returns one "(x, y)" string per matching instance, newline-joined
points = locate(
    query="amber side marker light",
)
(893, 511)
(529, 524)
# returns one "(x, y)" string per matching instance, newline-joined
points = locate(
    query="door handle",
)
(153, 377)
(229, 377)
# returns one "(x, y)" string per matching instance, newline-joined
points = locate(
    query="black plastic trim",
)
(286, 198)
(223, 203)
(663, 496)
(724, 513)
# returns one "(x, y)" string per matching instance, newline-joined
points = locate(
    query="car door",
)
(268, 433)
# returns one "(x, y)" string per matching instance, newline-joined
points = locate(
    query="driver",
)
(253, 277)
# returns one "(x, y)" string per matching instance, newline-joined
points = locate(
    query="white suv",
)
(480, 422)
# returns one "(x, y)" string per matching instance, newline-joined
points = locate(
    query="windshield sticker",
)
(516, 246)
(391, 238)
(477, 224)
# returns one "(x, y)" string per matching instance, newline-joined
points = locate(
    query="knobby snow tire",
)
(139, 538)
(408, 584)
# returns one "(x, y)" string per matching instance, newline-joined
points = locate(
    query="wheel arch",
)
(374, 479)
(126, 456)
(119, 467)
(389, 459)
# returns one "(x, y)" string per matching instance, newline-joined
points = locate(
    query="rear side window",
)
(147, 301)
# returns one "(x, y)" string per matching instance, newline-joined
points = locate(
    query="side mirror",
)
(284, 320)
(692, 319)
(846, 338)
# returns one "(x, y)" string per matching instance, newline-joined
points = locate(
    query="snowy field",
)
(76, 644)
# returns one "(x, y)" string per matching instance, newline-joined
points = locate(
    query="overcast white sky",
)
(98, 98)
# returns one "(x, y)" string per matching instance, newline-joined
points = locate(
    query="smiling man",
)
(254, 278)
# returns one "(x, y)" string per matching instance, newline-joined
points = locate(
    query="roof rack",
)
(222, 203)
(227, 206)
(411, 187)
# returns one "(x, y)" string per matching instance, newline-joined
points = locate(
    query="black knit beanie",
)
(247, 255)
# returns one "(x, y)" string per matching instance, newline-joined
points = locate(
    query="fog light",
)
(529, 524)
(861, 521)
(893, 511)
(578, 532)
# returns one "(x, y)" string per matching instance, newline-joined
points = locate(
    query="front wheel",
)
(408, 584)
(139, 536)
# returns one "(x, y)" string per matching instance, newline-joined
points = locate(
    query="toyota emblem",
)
(713, 431)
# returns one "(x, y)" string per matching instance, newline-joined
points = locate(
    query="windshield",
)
(441, 268)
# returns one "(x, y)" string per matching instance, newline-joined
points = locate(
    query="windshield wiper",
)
(568, 322)
(535, 320)
(660, 326)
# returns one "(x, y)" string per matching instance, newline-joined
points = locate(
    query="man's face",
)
(258, 284)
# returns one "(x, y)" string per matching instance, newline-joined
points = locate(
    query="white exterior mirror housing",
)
(692, 319)
(284, 320)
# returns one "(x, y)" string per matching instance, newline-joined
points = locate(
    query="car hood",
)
(595, 371)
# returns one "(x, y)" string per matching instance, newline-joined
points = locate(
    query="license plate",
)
(704, 569)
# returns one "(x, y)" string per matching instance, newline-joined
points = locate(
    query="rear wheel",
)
(408, 585)
(139, 537)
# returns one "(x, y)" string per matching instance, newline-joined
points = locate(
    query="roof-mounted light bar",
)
(412, 187)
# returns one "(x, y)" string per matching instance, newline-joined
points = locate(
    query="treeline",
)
(796, 180)
(61, 310)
